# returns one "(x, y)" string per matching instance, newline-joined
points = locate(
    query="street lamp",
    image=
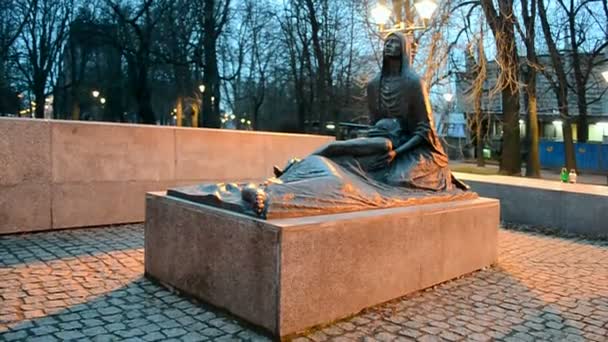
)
(381, 15)
(95, 93)
(201, 88)
(102, 100)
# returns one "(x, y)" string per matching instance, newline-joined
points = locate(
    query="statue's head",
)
(397, 47)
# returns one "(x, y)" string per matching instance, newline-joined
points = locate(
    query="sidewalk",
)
(492, 169)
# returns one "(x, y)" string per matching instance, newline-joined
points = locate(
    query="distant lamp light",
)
(381, 14)
(95, 93)
(242, 121)
(521, 122)
(448, 97)
(605, 75)
(330, 126)
(557, 123)
(232, 116)
(102, 100)
(425, 8)
(20, 95)
(212, 98)
(249, 122)
(201, 88)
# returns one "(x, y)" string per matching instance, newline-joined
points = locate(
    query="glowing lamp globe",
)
(425, 8)
(381, 14)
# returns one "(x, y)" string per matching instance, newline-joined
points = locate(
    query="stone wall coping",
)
(540, 184)
(134, 125)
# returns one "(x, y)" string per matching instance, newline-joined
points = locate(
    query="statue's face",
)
(392, 47)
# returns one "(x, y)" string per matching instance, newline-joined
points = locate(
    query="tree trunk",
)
(39, 95)
(532, 133)
(75, 109)
(560, 87)
(533, 162)
(503, 29)
(142, 95)
(510, 161)
(479, 142)
(322, 85)
(210, 115)
(569, 145)
(581, 91)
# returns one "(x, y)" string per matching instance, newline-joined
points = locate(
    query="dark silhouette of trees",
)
(43, 37)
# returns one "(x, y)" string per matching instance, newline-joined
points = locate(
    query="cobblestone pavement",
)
(88, 284)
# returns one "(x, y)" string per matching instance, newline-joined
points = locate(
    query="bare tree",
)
(528, 34)
(12, 22)
(323, 44)
(43, 37)
(579, 35)
(501, 22)
(135, 39)
(477, 63)
(559, 85)
(214, 16)
(297, 42)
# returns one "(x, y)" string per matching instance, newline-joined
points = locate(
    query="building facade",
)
(550, 122)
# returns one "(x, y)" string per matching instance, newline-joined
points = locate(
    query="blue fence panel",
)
(604, 158)
(551, 154)
(587, 157)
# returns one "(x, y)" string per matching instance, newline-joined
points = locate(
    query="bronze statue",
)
(400, 163)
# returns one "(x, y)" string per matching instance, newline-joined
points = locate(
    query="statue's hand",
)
(384, 160)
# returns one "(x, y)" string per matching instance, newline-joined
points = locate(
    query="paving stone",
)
(129, 333)
(94, 331)
(175, 332)
(44, 330)
(69, 335)
(195, 337)
(47, 338)
(14, 336)
(211, 332)
(154, 336)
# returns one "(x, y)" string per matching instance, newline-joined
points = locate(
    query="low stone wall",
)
(573, 208)
(60, 174)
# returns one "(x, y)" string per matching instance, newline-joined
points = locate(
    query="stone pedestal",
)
(292, 274)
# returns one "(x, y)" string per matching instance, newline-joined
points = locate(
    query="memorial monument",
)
(401, 163)
(354, 224)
